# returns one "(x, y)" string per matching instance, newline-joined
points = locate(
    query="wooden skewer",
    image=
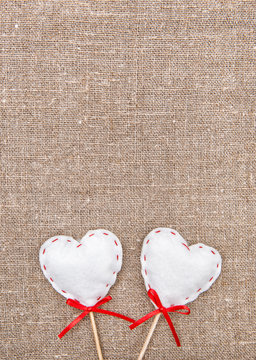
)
(151, 330)
(96, 337)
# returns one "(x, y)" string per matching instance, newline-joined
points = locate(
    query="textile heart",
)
(84, 270)
(177, 272)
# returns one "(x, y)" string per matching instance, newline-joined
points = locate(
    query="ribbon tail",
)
(72, 324)
(143, 319)
(112, 313)
(168, 319)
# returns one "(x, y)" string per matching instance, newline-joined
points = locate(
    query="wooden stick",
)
(96, 337)
(151, 330)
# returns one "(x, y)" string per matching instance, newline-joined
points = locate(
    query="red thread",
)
(43, 251)
(116, 243)
(114, 273)
(213, 252)
(105, 234)
(149, 286)
(161, 309)
(63, 291)
(79, 245)
(86, 310)
(107, 285)
(173, 233)
(54, 240)
(187, 298)
(91, 235)
(200, 247)
(217, 265)
(145, 258)
(147, 242)
(51, 279)
(99, 298)
(199, 289)
(158, 231)
(117, 257)
(44, 267)
(146, 272)
(186, 246)
(68, 240)
(211, 279)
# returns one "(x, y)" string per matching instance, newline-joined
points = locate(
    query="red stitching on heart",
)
(146, 273)
(186, 246)
(158, 231)
(201, 288)
(107, 285)
(189, 250)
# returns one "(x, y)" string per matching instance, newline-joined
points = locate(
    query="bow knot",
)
(86, 310)
(152, 294)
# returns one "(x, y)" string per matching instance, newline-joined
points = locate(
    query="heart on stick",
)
(85, 270)
(177, 272)
(174, 275)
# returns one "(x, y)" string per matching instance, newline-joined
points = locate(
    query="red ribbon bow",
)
(161, 309)
(76, 304)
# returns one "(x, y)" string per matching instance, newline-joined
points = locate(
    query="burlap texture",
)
(127, 115)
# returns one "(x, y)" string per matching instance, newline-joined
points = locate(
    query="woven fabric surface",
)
(127, 115)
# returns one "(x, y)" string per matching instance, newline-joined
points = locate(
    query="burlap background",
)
(127, 115)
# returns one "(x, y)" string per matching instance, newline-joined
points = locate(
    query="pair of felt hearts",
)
(86, 270)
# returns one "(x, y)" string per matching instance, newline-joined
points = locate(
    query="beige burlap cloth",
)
(127, 115)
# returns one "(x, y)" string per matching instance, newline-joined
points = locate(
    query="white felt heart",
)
(84, 270)
(177, 272)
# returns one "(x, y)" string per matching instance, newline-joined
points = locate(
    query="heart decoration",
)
(177, 272)
(83, 271)
(174, 274)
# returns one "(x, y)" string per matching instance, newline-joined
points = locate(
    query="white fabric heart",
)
(84, 270)
(177, 272)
